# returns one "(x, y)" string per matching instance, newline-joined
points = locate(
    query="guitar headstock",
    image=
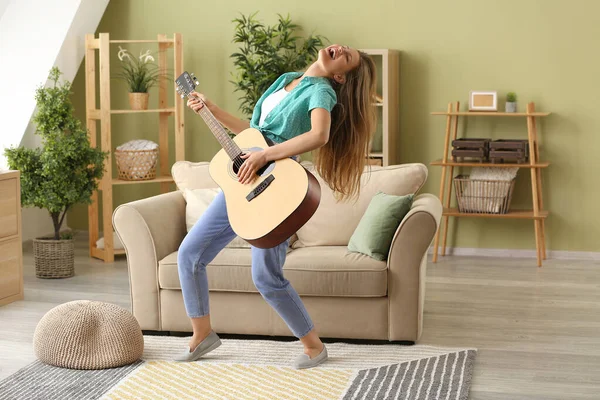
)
(186, 83)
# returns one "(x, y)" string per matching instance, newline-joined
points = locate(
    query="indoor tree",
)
(66, 169)
(265, 53)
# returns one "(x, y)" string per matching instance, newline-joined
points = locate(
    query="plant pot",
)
(138, 101)
(54, 258)
(511, 107)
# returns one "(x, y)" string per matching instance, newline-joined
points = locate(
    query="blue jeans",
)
(206, 239)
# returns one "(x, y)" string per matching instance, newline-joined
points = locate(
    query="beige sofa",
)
(348, 295)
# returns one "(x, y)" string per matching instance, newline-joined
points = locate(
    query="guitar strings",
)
(236, 160)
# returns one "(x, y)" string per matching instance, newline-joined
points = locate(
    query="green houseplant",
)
(511, 102)
(62, 172)
(141, 74)
(265, 53)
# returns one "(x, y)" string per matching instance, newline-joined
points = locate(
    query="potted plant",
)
(62, 172)
(265, 53)
(511, 102)
(141, 74)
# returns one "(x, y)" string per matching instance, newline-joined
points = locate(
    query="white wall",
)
(36, 35)
(3, 5)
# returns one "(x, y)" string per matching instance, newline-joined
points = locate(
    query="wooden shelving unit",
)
(388, 62)
(104, 113)
(537, 213)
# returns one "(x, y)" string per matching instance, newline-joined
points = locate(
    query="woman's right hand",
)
(196, 104)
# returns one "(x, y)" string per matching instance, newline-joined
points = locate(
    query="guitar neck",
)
(220, 133)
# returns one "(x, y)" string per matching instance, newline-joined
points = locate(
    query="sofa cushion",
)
(197, 201)
(334, 222)
(190, 175)
(319, 271)
(374, 233)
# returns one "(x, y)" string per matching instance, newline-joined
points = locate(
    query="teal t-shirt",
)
(291, 117)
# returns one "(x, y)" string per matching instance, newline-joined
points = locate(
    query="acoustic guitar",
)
(282, 198)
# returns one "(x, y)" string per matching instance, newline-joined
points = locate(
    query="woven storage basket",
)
(136, 160)
(54, 258)
(481, 196)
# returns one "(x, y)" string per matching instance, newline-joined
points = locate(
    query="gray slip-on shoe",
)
(210, 343)
(304, 361)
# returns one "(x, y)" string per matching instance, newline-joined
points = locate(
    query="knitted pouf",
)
(86, 334)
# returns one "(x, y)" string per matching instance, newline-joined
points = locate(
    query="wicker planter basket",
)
(54, 258)
(136, 160)
(478, 196)
(138, 101)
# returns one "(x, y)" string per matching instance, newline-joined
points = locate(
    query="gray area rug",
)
(44, 382)
(252, 369)
(443, 377)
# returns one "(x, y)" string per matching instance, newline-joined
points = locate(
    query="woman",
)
(329, 108)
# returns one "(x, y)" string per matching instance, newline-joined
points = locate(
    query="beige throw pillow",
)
(198, 201)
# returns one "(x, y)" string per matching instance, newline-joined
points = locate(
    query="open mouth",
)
(331, 53)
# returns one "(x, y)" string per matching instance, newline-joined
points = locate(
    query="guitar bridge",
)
(260, 188)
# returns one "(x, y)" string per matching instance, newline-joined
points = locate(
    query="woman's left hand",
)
(253, 161)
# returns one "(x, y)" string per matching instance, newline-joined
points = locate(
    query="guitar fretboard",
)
(220, 133)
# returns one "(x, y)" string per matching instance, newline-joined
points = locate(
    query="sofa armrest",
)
(407, 262)
(149, 229)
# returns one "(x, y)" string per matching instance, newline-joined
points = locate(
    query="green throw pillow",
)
(375, 231)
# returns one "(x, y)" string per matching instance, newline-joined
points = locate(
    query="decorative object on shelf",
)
(52, 178)
(140, 74)
(470, 148)
(485, 190)
(116, 242)
(484, 150)
(136, 160)
(265, 53)
(469, 154)
(483, 101)
(375, 161)
(504, 150)
(511, 102)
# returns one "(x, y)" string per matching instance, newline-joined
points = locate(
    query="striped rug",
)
(256, 369)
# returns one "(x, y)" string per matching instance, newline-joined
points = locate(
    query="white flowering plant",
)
(140, 73)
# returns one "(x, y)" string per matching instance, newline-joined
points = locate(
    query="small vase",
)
(511, 107)
(138, 101)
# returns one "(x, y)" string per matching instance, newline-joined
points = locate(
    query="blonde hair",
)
(342, 160)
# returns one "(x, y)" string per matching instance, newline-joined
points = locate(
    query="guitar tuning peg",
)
(181, 95)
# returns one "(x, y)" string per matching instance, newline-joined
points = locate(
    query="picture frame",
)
(483, 100)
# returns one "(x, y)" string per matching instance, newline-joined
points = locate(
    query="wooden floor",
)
(537, 329)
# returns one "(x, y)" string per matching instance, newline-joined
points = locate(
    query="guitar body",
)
(275, 214)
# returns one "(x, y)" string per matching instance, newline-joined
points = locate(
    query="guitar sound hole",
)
(238, 161)
(260, 172)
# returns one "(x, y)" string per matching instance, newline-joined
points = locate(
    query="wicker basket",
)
(54, 258)
(479, 196)
(136, 165)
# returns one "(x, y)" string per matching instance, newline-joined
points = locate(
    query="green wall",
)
(546, 51)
